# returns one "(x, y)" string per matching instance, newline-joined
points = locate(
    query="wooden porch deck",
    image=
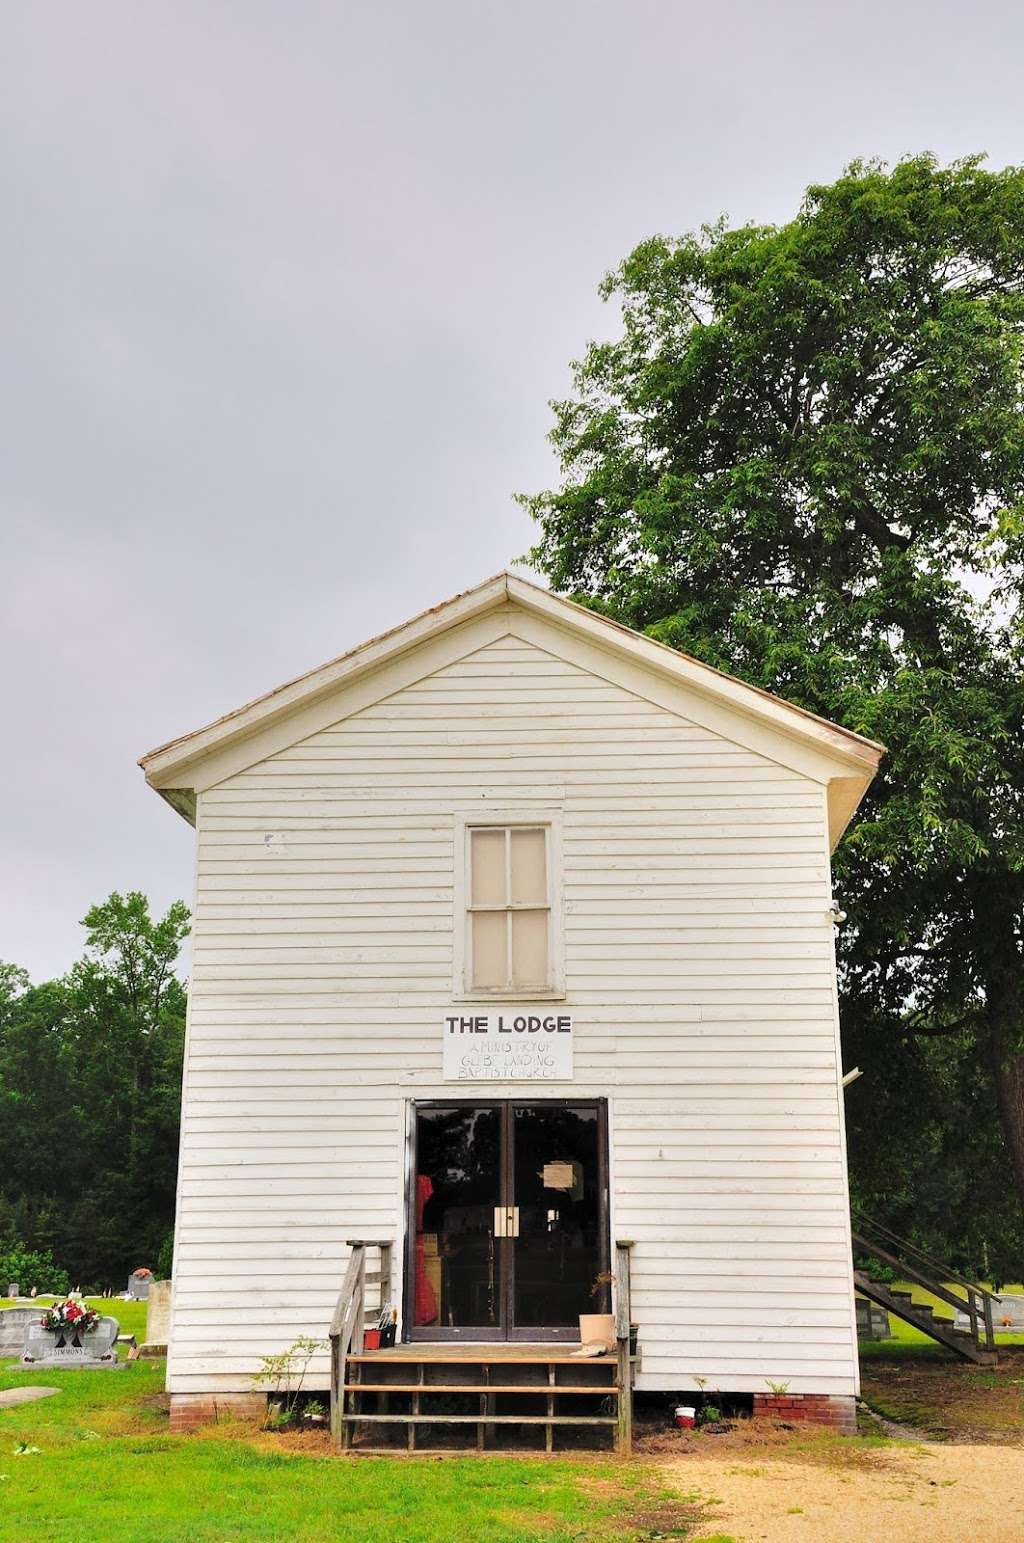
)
(496, 1385)
(438, 1352)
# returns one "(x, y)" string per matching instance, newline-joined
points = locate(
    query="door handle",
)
(506, 1221)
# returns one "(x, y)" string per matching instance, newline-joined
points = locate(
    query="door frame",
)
(506, 1333)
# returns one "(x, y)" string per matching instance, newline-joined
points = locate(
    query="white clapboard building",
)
(513, 970)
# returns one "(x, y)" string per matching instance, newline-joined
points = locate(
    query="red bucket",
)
(686, 1418)
(371, 1339)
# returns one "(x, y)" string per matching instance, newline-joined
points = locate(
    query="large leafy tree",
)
(90, 1076)
(802, 460)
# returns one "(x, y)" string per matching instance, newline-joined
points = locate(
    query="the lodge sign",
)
(508, 1046)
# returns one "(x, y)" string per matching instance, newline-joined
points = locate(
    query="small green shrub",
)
(31, 1269)
(165, 1258)
(284, 1375)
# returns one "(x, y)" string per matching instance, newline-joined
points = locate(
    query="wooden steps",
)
(432, 1353)
(976, 1344)
(466, 1387)
(922, 1316)
(416, 1386)
(492, 1387)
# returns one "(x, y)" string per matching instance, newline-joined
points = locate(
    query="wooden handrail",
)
(356, 1263)
(904, 1247)
(908, 1272)
(348, 1321)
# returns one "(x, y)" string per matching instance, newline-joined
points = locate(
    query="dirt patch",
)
(668, 1519)
(949, 1400)
(919, 1494)
(650, 1510)
(749, 1441)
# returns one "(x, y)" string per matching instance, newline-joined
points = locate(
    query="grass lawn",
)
(107, 1470)
(926, 1388)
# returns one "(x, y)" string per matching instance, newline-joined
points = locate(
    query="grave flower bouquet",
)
(70, 1318)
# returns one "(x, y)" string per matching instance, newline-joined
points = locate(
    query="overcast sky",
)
(287, 288)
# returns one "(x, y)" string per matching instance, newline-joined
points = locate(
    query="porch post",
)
(624, 1441)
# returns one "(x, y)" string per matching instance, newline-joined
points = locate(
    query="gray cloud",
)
(286, 289)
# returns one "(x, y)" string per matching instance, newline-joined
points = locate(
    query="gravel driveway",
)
(908, 1494)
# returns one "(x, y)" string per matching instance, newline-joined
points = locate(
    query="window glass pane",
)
(458, 1158)
(488, 867)
(529, 872)
(529, 948)
(557, 1186)
(489, 948)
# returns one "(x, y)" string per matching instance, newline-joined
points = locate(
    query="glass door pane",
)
(456, 1264)
(560, 1249)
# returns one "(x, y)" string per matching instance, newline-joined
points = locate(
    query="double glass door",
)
(508, 1231)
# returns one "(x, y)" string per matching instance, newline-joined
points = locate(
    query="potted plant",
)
(599, 1328)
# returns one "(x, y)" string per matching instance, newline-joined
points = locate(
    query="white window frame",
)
(498, 819)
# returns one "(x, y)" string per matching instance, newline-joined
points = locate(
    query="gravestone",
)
(14, 1290)
(872, 1320)
(97, 1349)
(139, 1282)
(14, 1325)
(1008, 1306)
(158, 1318)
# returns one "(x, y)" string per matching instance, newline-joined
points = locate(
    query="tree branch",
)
(871, 524)
(939, 1030)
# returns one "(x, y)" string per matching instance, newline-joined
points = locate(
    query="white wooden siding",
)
(699, 969)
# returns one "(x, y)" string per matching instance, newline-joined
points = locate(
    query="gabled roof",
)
(837, 757)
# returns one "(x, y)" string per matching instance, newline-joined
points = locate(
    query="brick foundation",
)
(190, 1410)
(839, 1413)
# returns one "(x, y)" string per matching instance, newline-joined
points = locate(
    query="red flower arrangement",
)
(70, 1318)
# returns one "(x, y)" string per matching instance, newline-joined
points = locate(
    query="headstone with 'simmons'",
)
(96, 1349)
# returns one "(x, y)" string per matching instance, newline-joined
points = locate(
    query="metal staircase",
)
(976, 1342)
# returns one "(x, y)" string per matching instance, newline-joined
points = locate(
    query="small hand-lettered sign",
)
(508, 1046)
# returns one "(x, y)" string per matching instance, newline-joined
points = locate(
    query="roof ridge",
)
(501, 588)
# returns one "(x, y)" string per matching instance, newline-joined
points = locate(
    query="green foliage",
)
(284, 1375)
(32, 1270)
(802, 461)
(90, 1076)
(165, 1258)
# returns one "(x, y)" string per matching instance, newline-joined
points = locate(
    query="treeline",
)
(90, 1087)
(90, 1080)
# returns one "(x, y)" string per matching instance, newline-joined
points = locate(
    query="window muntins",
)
(508, 924)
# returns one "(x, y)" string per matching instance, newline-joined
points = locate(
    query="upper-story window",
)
(510, 944)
